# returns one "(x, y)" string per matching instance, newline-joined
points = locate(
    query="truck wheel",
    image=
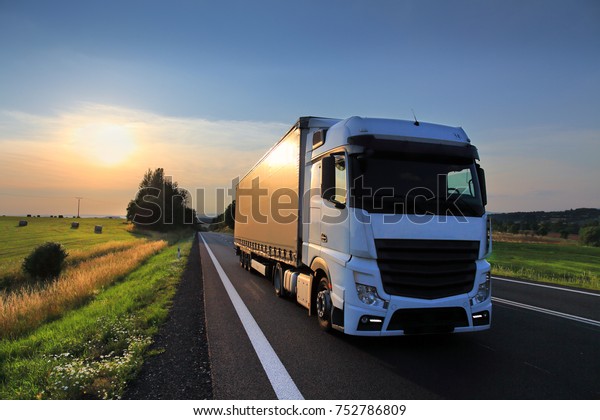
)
(323, 304)
(278, 280)
(249, 262)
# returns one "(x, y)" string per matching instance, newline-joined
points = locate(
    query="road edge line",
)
(278, 376)
(548, 312)
(564, 289)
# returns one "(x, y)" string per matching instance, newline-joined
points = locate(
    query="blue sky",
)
(521, 77)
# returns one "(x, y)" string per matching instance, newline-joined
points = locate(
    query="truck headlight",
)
(368, 295)
(483, 291)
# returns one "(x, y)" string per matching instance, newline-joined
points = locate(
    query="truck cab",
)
(397, 232)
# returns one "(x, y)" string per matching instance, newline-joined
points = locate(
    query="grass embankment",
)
(565, 264)
(26, 309)
(91, 352)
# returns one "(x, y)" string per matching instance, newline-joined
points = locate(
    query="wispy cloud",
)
(46, 152)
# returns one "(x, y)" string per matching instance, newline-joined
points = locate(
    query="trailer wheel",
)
(242, 260)
(249, 262)
(323, 304)
(278, 280)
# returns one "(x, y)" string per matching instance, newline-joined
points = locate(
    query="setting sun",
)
(105, 143)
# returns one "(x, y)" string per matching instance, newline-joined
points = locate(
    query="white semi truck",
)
(376, 226)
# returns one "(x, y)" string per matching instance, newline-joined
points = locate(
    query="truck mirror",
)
(481, 176)
(328, 178)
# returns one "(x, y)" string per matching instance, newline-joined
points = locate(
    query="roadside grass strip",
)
(566, 265)
(91, 352)
(26, 309)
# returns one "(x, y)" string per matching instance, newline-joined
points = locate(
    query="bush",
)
(46, 261)
(590, 235)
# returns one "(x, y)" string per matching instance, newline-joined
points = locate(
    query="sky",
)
(94, 93)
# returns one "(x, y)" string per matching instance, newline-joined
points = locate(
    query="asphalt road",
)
(547, 349)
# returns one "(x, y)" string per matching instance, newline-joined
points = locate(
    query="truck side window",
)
(340, 179)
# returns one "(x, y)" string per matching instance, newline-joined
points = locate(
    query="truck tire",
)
(278, 280)
(323, 304)
(249, 262)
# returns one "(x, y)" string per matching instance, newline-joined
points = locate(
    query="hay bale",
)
(22, 223)
(75, 225)
(97, 229)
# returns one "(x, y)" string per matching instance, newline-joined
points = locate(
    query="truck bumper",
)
(416, 316)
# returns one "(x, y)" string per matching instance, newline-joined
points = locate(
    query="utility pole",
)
(78, 205)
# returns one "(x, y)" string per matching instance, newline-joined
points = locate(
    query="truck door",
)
(334, 236)
(315, 204)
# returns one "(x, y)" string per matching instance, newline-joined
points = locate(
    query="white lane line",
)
(280, 379)
(546, 286)
(548, 312)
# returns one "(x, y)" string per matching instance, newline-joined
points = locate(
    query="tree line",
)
(584, 222)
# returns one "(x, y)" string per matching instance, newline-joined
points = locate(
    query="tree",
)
(226, 218)
(230, 215)
(515, 228)
(160, 204)
(590, 236)
(542, 230)
(46, 261)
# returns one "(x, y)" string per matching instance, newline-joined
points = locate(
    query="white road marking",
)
(548, 312)
(280, 379)
(546, 286)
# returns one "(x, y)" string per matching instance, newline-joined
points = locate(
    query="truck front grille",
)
(426, 269)
(428, 320)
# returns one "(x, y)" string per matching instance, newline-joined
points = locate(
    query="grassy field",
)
(562, 263)
(93, 351)
(17, 242)
(84, 334)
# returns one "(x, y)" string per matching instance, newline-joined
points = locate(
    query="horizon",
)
(95, 94)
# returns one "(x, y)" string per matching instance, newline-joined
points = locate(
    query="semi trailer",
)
(376, 226)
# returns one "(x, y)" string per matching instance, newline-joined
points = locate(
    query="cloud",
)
(528, 168)
(48, 152)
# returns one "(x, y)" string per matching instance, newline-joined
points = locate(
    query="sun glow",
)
(105, 143)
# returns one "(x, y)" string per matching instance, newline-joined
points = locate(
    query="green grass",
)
(568, 265)
(17, 242)
(92, 351)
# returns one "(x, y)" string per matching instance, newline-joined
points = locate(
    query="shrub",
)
(590, 235)
(46, 261)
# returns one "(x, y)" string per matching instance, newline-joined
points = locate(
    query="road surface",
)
(543, 344)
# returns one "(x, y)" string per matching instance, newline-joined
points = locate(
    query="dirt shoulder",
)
(180, 368)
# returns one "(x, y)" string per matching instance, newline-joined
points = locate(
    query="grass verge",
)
(566, 265)
(92, 351)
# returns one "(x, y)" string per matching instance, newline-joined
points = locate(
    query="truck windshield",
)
(415, 185)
